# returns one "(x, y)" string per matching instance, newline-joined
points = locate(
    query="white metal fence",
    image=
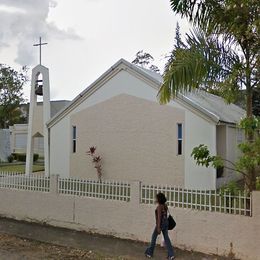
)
(23, 182)
(3, 174)
(208, 200)
(215, 201)
(109, 190)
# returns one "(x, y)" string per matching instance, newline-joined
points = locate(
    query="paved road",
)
(102, 245)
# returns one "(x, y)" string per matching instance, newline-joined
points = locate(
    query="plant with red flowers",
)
(96, 160)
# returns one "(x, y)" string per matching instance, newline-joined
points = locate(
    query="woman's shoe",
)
(171, 258)
(148, 256)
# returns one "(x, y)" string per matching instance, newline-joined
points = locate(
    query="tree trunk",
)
(249, 90)
(249, 104)
(252, 179)
(251, 174)
(249, 112)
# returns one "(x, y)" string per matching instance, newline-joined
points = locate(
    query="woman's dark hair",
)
(161, 198)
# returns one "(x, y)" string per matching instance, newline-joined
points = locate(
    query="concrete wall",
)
(135, 139)
(208, 232)
(197, 130)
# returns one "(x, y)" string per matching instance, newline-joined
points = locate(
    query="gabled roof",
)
(58, 105)
(207, 103)
(210, 105)
(226, 113)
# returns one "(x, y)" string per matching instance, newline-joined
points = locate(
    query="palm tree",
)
(202, 63)
(221, 54)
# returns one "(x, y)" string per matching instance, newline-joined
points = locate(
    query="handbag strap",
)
(169, 211)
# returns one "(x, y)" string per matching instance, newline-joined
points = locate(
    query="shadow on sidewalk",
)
(101, 244)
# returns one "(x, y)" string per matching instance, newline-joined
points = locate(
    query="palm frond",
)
(202, 13)
(204, 62)
(185, 73)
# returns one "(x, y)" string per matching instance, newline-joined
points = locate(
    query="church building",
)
(139, 139)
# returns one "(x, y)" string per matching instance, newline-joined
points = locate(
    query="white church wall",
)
(60, 148)
(199, 131)
(196, 129)
(134, 137)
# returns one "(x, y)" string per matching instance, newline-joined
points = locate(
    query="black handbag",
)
(171, 222)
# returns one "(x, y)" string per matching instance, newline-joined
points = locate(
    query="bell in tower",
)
(38, 87)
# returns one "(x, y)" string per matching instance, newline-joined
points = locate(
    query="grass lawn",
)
(20, 168)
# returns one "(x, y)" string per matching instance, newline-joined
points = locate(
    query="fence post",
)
(54, 184)
(135, 192)
(255, 208)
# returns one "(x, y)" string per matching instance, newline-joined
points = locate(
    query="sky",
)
(85, 37)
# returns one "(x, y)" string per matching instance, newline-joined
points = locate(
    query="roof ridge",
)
(157, 79)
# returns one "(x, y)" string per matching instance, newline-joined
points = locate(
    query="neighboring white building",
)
(19, 132)
(4, 144)
(139, 139)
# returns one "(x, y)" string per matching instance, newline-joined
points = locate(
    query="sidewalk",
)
(101, 244)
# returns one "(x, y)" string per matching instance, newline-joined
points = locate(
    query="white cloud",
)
(10, 9)
(111, 29)
(23, 21)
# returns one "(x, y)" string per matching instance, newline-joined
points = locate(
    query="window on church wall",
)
(180, 139)
(74, 139)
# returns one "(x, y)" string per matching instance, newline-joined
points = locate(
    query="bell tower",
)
(39, 114)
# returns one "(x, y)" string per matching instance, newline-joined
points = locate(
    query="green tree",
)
(248, 161)
(11, 95)
(178, 41)
(220, 55)
(145, 60)
(256, 101)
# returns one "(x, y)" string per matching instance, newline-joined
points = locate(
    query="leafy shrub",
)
(96, 160)
(21, 157)
(231, 188)
(10, 158)
(35, 157)
(15, 156)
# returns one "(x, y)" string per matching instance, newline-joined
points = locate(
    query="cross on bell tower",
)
(40, 44)
(39, 113)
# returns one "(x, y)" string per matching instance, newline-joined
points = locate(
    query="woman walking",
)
(161, 226)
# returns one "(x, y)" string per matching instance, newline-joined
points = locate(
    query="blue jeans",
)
(150, 249)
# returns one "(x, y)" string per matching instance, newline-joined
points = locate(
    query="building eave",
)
(120, 65)
(140, 73)
(183, 99)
